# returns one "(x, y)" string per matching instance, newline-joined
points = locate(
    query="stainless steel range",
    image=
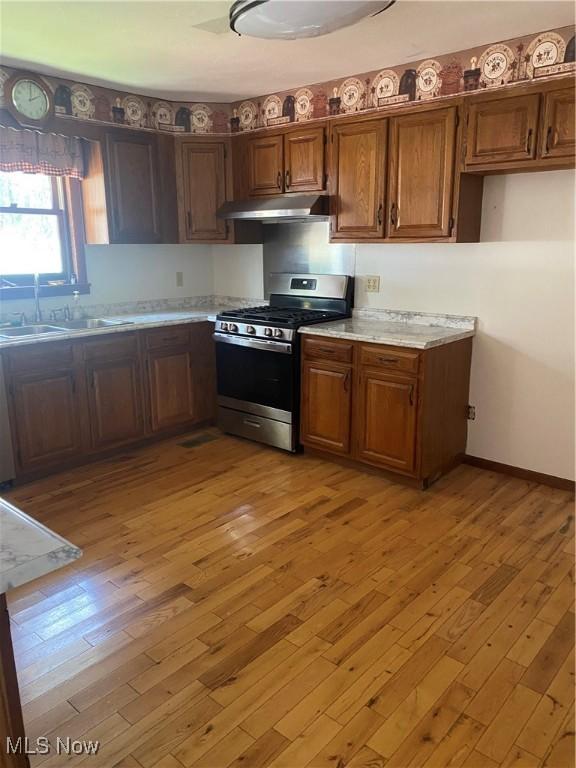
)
(258, 355)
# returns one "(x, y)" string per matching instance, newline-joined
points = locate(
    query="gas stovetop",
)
(289, 317)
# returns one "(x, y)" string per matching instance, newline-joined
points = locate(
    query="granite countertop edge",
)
(393, 340)
(18, 567)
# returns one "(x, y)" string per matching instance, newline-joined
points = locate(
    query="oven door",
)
(256, 376)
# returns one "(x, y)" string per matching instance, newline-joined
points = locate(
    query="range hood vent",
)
(278, 209)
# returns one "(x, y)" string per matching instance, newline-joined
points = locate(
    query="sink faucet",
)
(37, 310)
(65, 311)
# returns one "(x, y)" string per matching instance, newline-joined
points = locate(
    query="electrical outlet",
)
(179, 279)
(471, 412)
(372, 284)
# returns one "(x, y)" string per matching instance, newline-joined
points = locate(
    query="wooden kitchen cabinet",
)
(558, 124)
(45, 417)
(421, 174)
(202, 189)
(266, 165)
(171, 389)
(398, 409)
(326, 405)
(386, 420)
(114, 402)
(180, 373)
(502, 130)
(133, 188)
(357, 179)
(70, 402)
(288, 162)
(304, 160)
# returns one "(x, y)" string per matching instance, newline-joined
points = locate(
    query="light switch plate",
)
(179, 279)
(372, 284)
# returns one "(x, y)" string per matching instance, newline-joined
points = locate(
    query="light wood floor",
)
(236, 606)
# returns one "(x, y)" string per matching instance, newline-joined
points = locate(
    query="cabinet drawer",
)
(390, 358)
(39, 357)
(322, 349)
(121, 345)
(172, 335)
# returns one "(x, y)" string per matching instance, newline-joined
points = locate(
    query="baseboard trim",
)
(525, 474)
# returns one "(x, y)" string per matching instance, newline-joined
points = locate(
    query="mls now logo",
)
(42, 746)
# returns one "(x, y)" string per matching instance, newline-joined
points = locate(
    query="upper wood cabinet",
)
(502, 130)
(357, 179)
(129, 191)
(287, 162)
(266, 165)
(202, 188)
(421, 174)
(133, 187)
(558, 134)
(304, 160)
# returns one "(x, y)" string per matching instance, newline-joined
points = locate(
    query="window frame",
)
(67, 207)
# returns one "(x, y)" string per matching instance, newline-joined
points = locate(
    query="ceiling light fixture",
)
(294, 19)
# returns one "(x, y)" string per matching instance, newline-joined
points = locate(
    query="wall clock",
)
(29, 99)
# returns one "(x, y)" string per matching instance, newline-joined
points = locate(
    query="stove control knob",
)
(278, 333)
(267, 331)
(223, 326)
(233, 327)
(250, 329)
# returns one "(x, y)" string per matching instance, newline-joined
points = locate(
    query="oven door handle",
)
(241, 341)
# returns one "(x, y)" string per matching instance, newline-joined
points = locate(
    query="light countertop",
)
(134, 322)
(397, 328)
(28, 549)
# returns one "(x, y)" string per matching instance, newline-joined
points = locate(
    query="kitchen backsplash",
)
(500, 65)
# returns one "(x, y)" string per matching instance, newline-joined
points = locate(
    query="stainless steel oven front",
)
(258, 389)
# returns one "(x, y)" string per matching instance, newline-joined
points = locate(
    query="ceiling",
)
(184, 51)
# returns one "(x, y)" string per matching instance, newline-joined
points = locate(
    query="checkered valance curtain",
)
(36, 152)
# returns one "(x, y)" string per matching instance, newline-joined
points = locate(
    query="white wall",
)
(238, 271)
(127, 273)
(519, 281)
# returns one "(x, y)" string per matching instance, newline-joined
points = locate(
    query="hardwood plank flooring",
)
(237, 606)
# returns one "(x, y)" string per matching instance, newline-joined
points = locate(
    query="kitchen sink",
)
(89, 324)
(29, 330)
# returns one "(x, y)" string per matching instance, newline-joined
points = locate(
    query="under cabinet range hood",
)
(278, 208)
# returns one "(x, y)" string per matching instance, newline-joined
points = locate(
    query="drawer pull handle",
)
(279, 180)
(347, 381)
(411, 396)
(391, 360)
(250, 423)
(325, 350)
(529, 141)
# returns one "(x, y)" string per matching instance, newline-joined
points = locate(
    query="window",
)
(37, 235)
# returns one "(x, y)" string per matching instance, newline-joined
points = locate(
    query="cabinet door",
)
(304, 160)
(358, 179)
(502, 130)
(421, 169)
(266, 166)
(114, 402)
(46, 418)
(170, 387)
(558, 134)
(203, 190)
(326, 400)
(386, 420)
(132, 181)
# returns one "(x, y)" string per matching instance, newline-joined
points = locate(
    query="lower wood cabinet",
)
(114, 402)
(328, 384)
(71, 401)
(170, 386)
(386, 420)
(45, 420)
(398, 409)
